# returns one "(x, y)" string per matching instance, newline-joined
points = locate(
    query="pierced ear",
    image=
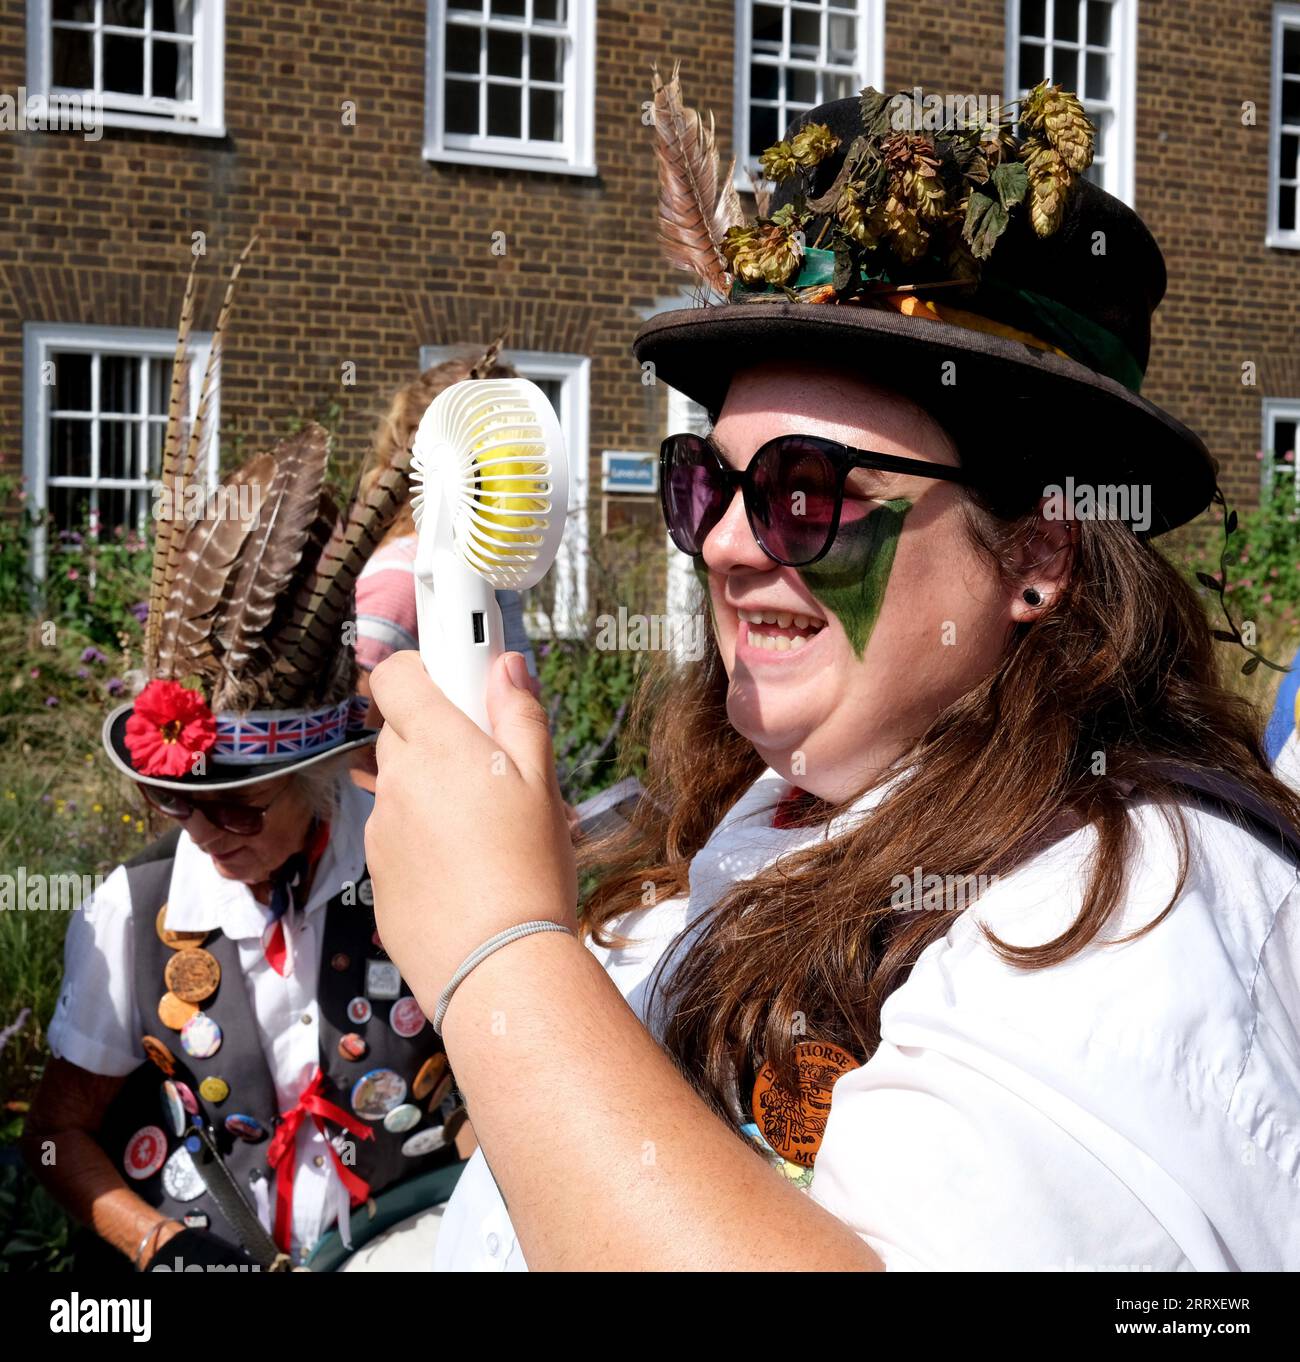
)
(1044, 567)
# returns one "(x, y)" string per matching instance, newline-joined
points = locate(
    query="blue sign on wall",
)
(623, 471)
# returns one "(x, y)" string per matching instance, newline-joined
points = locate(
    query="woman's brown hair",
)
(1122, 665)
(393, 436)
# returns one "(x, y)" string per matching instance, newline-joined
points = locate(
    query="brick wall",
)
(368, 251)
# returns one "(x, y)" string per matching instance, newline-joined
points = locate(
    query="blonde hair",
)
(393, 437)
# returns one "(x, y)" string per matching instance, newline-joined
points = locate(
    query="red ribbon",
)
(281, 1150)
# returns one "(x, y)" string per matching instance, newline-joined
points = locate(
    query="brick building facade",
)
(381, 149)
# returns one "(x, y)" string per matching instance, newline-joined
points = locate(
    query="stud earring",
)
(1032, 596)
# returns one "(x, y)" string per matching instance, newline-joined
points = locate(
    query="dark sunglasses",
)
(793, 490)
(244, 820)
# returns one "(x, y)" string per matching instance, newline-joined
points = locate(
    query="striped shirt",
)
(386, 607)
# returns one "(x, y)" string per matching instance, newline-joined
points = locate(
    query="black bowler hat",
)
(1046, 339)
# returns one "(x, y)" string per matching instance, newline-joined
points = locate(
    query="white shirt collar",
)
(201, 899)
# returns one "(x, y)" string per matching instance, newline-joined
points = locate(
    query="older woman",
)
(237, 1063)
(960, 932)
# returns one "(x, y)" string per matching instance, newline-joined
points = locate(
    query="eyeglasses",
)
(244, 820)
(793, 490)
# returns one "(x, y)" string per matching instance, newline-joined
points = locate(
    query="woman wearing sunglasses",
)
(235, 1060)
(958, 928)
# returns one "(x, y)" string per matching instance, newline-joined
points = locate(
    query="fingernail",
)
(517, 668)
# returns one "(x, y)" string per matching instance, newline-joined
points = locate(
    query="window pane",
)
(504, 111)
(763, 81)
(78, 11)
(157, 432)
(1291, 101)
(461, 106)
(1286, 209)
(1099, 22)
(1065, 67)
(116, 507)
(1291, 50)
(544, 120)
(1097, 85)
(123, 65)
(173, 16)
(1031, 65)
(1065, 19)
(762, 130)
(767, 25)
(513, 9)
(117, 380)
(462, 48)
(505, 53)
(549, 9)
(69, 506)
(801, 87)
(842, 37)
(73, 59)
(115, 449)
(160, 386)
(805, 33)
(1033, 18)
(71, 382)
(69, 449)
(1288, 165)
(124, 13)
(544, 58)
(840, 87)
(171, 71)
(1283, 440)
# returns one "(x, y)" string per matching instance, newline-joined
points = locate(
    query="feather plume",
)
(207, 557)
(266, 566)
(696, 205)
(487, 361)
(177, 435)
(308, 645)
(184, 473)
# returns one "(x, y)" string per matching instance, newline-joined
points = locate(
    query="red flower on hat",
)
(170, 726)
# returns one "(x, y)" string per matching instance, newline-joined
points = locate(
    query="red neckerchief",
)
(789, 807)
(276, 954)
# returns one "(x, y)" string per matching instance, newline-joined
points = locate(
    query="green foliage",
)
(1258, 583)
(34, 1231)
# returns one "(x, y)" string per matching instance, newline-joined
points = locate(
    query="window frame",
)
(1273, 409)
(871, 71)
(208, 74)
(578, 156)
(39, 339)
(1284, 16)
(1121, 167)
(574, 375)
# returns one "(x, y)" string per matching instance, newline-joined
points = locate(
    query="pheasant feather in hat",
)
(249, 659)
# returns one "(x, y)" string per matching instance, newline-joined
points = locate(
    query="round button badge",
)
(352, 1046)
(174, 1108)
(174, 1012)
(181, 1180)
(359, 1011)
(431, 1071)
(146, 1152)
(214, 1089)
(376, 1093)
(245, 1127)
(193, 975)
(402, 1119)
(187, 1097)
(201, 1036)
(159, 1054)
(424, 1142)
(406, 1017)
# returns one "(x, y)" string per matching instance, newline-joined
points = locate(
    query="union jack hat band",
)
(255, 746)
(262, 735)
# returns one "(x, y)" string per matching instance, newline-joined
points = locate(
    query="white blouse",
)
(1135, 1108)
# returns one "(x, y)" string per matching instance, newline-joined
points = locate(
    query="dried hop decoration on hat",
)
(907, 204)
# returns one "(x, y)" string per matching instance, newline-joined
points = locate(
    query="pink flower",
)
(1266, 599)
(1289, 456)
(73, 574)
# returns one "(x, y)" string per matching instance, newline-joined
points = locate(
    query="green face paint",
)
(850, 581)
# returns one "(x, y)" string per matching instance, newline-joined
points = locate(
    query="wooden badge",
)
(793, 1124)
(174, 1012)
(178, 941)
(159, 1054)
(193, 975)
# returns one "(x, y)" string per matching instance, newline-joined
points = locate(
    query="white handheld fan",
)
(491, 481)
